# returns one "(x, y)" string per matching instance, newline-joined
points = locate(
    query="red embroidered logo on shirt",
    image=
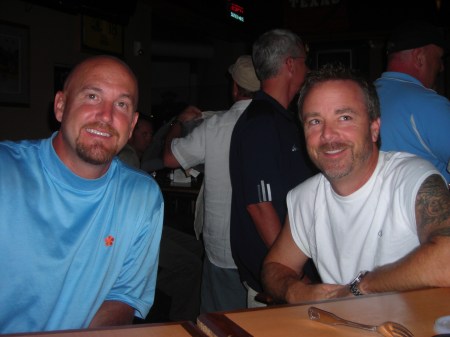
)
(109, 240)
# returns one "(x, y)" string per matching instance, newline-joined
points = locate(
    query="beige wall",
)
(55, 40)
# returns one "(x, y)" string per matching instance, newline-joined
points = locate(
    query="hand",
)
(190, 113)
(314, 292)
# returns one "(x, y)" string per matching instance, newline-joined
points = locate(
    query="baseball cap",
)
(414, 34)
(243, 73)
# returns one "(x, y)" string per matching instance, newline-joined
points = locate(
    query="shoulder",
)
(397, 161)
(405, 168)
(135, 180)
(406, 85)
(259, 109)
(259, 114)
(18, 150)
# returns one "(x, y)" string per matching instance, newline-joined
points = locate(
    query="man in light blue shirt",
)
(414, 118)
(80, 230)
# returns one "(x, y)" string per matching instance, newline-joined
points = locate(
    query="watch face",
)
(353, 286)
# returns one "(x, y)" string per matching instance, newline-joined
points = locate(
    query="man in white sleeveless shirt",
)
(372, 221)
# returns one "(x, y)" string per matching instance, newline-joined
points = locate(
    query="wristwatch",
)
(353, 286)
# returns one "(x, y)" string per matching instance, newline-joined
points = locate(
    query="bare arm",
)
(426, 266)
(282, 275)
(113, 313)
(190, 113)
(266, 221)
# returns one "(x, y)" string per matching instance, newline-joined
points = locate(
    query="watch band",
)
(353, 286)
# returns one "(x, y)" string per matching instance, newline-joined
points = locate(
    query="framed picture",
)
(14, 65)
(101, 35)
(342, 56)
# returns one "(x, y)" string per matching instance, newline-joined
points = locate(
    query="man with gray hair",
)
(372, 221)
(209, 144)
(267, 157)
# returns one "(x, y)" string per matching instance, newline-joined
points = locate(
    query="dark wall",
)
(55, 44)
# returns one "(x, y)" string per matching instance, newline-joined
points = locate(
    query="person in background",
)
(208, 144)
(180, 256)
(267, 155)
(152, 158)
(78, 250)
(140, 140)
(372, 221)
(414, 117)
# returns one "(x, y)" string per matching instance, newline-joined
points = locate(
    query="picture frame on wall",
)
(102, 36)
(14, 65)
(334, 56)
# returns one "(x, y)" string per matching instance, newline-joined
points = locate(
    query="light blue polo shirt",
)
(68, 243)
(414, 119)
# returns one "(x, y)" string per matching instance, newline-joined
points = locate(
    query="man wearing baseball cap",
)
(209, 144)
(414, 117)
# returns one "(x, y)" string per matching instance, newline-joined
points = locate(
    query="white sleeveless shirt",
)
(371, 227)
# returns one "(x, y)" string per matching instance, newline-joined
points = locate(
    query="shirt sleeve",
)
(190, 150)
(260, 155)
(136, 283)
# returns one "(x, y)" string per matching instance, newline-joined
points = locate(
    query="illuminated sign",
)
(236, 12)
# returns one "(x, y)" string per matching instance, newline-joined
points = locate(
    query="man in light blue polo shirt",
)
(79, 230)
(414, 118)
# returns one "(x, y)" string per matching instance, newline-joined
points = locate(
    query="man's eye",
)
(346, 118)
(313, 122)
(122, 104)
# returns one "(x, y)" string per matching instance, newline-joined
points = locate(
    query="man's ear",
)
(290, 64)
(419, 56)
(58, 105)
(375, 129)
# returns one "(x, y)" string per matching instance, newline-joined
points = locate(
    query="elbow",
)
(166, 161)
(169, 160)
(271, 281)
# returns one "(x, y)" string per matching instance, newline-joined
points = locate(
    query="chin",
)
(96, 154)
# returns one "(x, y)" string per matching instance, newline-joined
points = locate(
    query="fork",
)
(387, 329)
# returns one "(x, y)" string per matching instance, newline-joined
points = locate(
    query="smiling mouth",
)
(98, 133)
(334, 151)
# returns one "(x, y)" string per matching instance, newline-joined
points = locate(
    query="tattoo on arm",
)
(433, 209)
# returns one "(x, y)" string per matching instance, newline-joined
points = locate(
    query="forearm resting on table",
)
(283, 283)
(277, 279)
(113, 313)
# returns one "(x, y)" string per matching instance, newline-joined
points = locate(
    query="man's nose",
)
(106, 111)
(328, 131)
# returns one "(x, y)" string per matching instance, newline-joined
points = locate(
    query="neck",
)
(278, 90)
(403, 63)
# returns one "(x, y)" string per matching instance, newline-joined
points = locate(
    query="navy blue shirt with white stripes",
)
(267, 159)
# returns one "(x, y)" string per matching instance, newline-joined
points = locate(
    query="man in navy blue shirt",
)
(267, 156)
